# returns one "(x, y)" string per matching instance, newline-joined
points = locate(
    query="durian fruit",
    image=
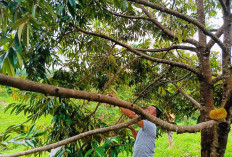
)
(218, 114)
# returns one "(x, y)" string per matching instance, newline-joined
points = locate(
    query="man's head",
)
(153, 110)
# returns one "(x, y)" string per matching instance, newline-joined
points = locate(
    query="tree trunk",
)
(223, 128)
(206, 90)
(222, 137)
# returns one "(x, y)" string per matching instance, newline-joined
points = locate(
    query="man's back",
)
(145, 141)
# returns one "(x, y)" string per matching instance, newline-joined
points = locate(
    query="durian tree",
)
(162, 51)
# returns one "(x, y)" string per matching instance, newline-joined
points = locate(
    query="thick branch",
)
(74, 138)
(181, 16)
(172, 63)
(173, 47)
(164, 29)
(70, 93)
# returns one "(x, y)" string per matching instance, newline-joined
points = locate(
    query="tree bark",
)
(206, 90)
(224, 127)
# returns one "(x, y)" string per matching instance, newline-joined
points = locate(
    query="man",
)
(171, 119)
(145, 139)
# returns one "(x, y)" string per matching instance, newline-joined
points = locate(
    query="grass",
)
(7, 119)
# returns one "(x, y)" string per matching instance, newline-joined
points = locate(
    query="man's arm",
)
(131, 115)
(128, 112)
(133, 131)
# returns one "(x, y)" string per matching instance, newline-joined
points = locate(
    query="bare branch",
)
(118, 72)
(218, 34)
(150, 85)
(111, 80)
(173, 47)
(223, 6)
(195, 103)
(74, 138)
(172, 63)
(164, 29)
(182, 16)
(70, 93)
(126, 16)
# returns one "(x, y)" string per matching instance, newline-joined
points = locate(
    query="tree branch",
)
(215, 80)
(74, 138)
(193, 101)
(126, 16)
(164, 29)
(173, 47)
(150, 85)
(181, 16)
(218, 34)
(223, 6)
(70, 93)
(112, 79)
(172, 63)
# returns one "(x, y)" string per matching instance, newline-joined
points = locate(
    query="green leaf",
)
(39, 134)
(114, 153)
(71, 10)
(20, 31)
(12, 57)
(3, 41)
(9, 67)
(116, 2)
(124, 4)
(20, 60)
(100, 152)
(72, 3)
(88, 153)
(12, 6)
(31, 130)
(68, 120)
(50, 10)
(27, 34)
(185, 32)
(21, 21)
(2, 58)
(17, 45)
(60, 9)
(180, 37)
(161, 91)
(33, 10)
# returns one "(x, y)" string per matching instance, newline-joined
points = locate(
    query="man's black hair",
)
(158, 111)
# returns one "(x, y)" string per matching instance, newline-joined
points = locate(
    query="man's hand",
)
(112, 95)
(133, 131)
(130, 127)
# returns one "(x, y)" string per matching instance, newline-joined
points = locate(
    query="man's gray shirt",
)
(145, 141)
